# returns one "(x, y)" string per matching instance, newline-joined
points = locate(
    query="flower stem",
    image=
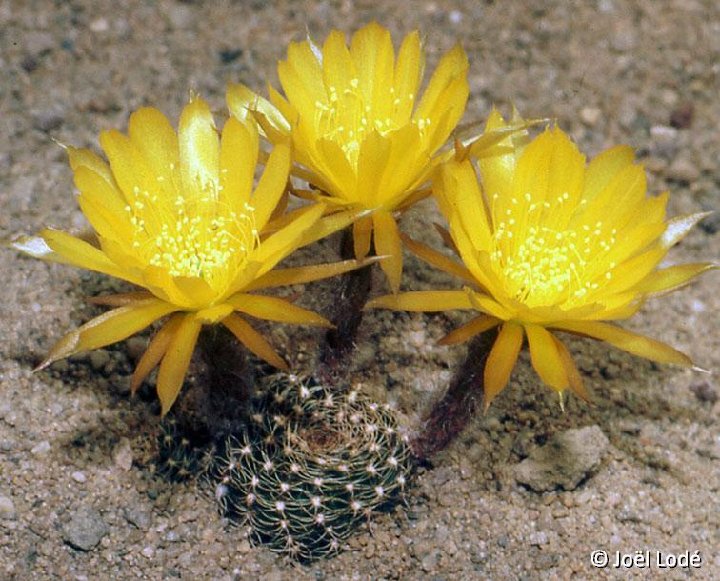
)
(346, 313)
(216, 403)
(451, 414)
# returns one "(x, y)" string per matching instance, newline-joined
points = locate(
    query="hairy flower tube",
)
(176, 214)
(552, 244)
(361, 132)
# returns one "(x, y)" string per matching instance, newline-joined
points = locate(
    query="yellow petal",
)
(59, 246)
(255, 342)
(497, 170)
(155, 351)
(129, 168)
(408, 167)
(197, 290)
(462, 197)
(373, 55)
(470, 329)
(604, 167)
(283, 242)
(214, 314)
(301, 77)
(176, 361)
(372, 163)
(108, 328)
(408, 73)
(199, 149)
(627, 341)
(120, 299)
(620, 201)
(501, 143)
(438, 260)
(678, 227)
(332, 223)
(103, 205)
(242, 101)
(162, 283)
(632, 271)
(276, 309)
(238, 159)
(423, 301)
(271, 185)
(552, 170)
(546, 358)
(362, 236)
(389, 246)
(340, 175)
(453, 65)
(303, 274)
(501, 361)
(489, 305)
(674, 277)
(446, 118)
(338, 68)
(85, 158)
(574, 377)
(156, 140)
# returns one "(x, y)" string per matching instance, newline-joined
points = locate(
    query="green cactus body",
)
(311, 467)
(182, 453)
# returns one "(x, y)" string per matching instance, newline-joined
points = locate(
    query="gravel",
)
(608, 72)
(566, 460)
(7, 508)
(85, 529)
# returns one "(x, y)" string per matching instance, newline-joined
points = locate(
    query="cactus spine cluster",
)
(180, 455)
(312, 465)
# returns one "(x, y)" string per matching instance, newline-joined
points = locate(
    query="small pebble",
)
(38, 43)
(455, 17)
(41, 448)
(99, 359)
(7, 508)
(429, 562)
(682, 116)
(136, 347)
(624, 37)
(85, 529)
(123, 455)
(180, 16)
(47, 119)
(683, 170)
(567, 459)
(138, 517)
(78, 476)
(590, 116)
(100, 25)
(704, 392)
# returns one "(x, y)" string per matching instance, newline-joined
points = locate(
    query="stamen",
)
(543, 265)
(193, 234)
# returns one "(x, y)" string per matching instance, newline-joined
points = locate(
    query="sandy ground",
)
(75, 450)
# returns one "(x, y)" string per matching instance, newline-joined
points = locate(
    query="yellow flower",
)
(177, 215)
(550, 244)
(359, 128)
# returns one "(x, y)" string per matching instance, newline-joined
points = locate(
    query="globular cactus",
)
(312, 465)
(182, 453)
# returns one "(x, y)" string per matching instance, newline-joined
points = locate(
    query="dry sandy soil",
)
(75, 450)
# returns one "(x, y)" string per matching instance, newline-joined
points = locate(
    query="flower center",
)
(197, 235)
(547, 260)
(348, 114)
